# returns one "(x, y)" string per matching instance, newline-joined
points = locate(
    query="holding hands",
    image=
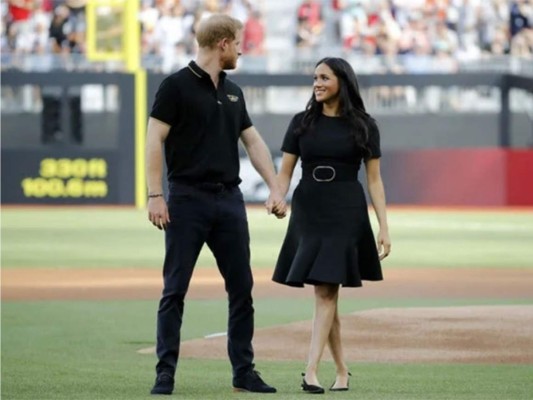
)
(276, 204)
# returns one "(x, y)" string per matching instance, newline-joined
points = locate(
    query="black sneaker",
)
(252, 382)
(164, 384)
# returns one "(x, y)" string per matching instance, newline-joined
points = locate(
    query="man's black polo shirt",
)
(205, 126)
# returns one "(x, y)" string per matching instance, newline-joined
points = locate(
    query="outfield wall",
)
(430, 158)
(470, 177)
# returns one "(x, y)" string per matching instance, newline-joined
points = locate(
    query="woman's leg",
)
(325, 305)
(335, 347)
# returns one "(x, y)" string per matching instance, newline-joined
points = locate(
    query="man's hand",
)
(276, 204)
(280, 210)
(158, 212)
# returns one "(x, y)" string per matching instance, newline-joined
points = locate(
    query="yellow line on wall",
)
(140, 138)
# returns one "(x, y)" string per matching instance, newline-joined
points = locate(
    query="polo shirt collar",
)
(200, 73)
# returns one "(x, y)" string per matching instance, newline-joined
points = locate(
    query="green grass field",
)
(87, 349)
(115, 238)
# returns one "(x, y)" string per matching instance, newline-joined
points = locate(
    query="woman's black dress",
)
(329, 238)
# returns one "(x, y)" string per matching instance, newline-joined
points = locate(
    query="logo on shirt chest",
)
(233, 98)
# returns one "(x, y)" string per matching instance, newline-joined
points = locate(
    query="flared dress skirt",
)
(329, 237)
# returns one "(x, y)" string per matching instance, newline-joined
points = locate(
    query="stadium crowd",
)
(447, 30)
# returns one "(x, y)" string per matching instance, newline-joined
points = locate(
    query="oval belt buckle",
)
(333, 174)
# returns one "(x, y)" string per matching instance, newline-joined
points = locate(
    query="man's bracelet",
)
(151, 196)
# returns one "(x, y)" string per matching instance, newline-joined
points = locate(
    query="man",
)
(199, 115)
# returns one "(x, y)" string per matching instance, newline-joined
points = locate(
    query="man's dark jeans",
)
(216, 215)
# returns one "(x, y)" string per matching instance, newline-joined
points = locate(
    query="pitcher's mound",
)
(481, 334)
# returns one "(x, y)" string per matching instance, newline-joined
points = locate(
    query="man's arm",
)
(261, 159)
(157, 207)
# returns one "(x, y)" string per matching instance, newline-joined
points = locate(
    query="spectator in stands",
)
(305, 38)
(209, 8)
(520, 16)
(336, 12)
(169, 30)
(58, 30)
(491, 14)
(253, 34)
(181, 56)
(443, 39)
(76, 25)
(470, 48)
(41, 24)
(310, 23)
(467, 18)
(19, 26)
(353, 26)
(238, 9)
(407, 36)
(148, 17)
(311, 10)
(387, 48)
(416, 36)
(522, 43)
(500, 43)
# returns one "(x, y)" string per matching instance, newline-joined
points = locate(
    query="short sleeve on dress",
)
(373, 139)
(290, 141)
(164, 107)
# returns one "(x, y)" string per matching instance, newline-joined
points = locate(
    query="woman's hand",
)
(384, 244)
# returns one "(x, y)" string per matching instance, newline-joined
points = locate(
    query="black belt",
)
(330, 172)
(213, 187)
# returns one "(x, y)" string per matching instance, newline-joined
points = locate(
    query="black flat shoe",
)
(312, 389)
(342, 389)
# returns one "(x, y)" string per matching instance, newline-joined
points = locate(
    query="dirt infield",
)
(496, 334)
(140, 284)
(499, 334)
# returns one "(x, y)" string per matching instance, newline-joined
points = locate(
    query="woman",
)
(329, 241)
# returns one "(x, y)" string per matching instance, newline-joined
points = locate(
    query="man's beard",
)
(229, 64)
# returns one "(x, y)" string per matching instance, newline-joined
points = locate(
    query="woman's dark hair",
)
(352, 108)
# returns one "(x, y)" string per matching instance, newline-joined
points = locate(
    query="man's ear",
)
(223, 43)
